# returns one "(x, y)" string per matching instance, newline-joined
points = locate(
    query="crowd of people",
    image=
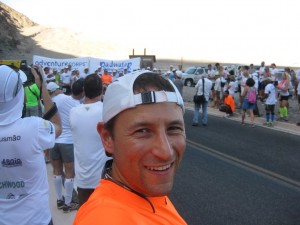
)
(120, 142)
(233, 89)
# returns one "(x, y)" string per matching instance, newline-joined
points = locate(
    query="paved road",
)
(233, 175)
(228, 178)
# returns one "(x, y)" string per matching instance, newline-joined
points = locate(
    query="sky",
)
(241, 31)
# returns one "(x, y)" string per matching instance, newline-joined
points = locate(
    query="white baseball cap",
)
(179, 74)
(11, 95)
(52, 86)
(119, 96)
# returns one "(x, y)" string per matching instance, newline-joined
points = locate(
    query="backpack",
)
(252, 96)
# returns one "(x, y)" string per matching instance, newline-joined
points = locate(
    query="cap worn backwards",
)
(119, 96)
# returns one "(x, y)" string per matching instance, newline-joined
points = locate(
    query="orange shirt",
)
(112, 204)
(229, 101)
(106, 78)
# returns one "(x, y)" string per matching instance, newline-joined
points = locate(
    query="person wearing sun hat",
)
(143, 131)
(23, 180)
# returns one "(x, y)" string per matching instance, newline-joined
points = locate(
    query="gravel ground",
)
(294, 114)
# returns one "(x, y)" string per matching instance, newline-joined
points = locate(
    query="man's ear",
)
(106, 138)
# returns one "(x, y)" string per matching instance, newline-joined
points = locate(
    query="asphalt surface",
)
(233, 174)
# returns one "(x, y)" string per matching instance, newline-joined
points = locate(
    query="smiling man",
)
(143, 130)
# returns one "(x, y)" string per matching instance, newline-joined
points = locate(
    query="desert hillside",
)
(21, 38)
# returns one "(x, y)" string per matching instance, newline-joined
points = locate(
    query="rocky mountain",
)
(21, 38)
(11, 22)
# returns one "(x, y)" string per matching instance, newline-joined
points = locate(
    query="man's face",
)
(148, 145)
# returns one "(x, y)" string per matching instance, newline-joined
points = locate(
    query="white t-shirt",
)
(255, 78)
(207, 87)
(88, 149)
(218, 84)
(271, 91)
(64, 104)
(65, 78)
(274, 73)
(232, 87)
(211, 75)
(84, 75)
(24, 190)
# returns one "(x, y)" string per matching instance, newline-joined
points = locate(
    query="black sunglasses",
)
(18, 87)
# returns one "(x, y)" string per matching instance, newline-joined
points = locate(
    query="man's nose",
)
(162, 147)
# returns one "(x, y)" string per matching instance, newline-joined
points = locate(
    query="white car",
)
(192, 75)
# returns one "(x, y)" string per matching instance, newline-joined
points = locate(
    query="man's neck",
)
(92, 100)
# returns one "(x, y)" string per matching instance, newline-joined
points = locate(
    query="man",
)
(173, 75)
(99, 71)
(143, 130)
(274, 73)
(115, 75)
(62, 155)
(270, 96)
(171, 69)
(106, 78)
(211, 76)
(89, 161)
(65, 80)
(85, 73)
(197, 106)
(251, 69)
(229, 106)
(24, 191)
(48, 75)
(125, 71)
(57, 76)
(178, 82)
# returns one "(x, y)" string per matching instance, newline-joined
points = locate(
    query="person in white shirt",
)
(62, 155)
(84, 73)
(211, 76)
(274, 73)
(261, 70)
(24, 190)
(270, 96)
(217, 89)
(200, 91)
(65, 80)
(89, 161)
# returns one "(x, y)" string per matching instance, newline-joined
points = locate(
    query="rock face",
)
(21, 38)
(11, 22)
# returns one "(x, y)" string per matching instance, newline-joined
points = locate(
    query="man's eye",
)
(141, 131)
(175, 128)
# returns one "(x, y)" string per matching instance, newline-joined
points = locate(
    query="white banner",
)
(119, 65)
(76, 63)
(88, 62)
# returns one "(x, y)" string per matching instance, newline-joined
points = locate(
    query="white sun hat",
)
(119, 96)
(11, 95)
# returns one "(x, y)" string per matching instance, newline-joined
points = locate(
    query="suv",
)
(192, 75)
